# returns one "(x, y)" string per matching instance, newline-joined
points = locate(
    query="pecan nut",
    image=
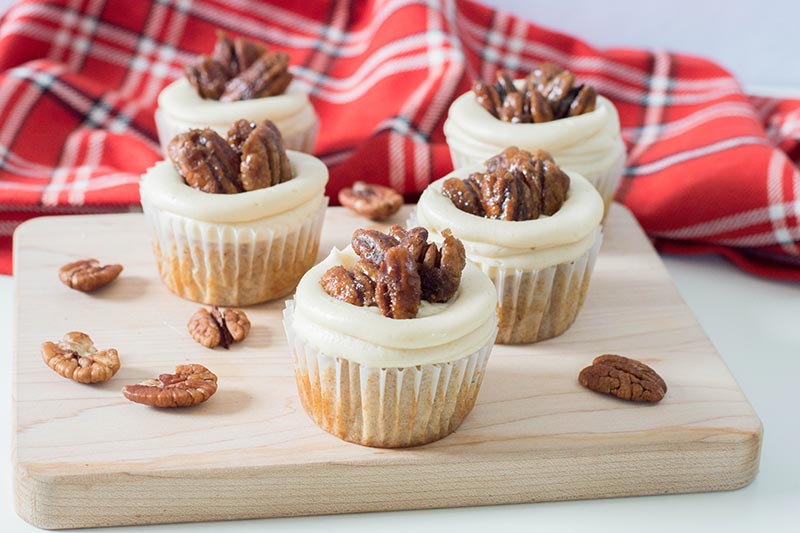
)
(399, 289)
(548, 93)
(374, 202)
(239, 69)
(218, 327)
(355, 286)
(75, 357)
(624, 378)
(372, 245)
(465, 194)
(508, 196)
(88, 275)
(266, 76)
(188, 386)
(206, 161)
(263, 157)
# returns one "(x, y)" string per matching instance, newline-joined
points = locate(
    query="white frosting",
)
(526, 245)
(589, 143)
(163, 187)
(183, 109)
(440, 332)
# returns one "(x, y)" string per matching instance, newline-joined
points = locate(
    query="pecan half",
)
(508, 196)
(624, 378)
(553, 183)
(264, 160)
(188, 386)
(465, 194)
(206, 161)
(374, 202)
(88, 275)
(75, 357)
(372, 245)
(548, 93)
(208, 76)
(266, 76)
(218, 327)
(440, 269)
(355, 286)
(399, 290)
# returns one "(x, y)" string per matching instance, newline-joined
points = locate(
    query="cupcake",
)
(390, 338)
(533, 228)
(237, 220)
(240, 79)
(547, 110)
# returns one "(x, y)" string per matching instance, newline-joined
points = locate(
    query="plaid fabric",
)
(709, 169)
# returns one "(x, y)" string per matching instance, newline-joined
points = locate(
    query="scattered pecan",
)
(206, 161)
(374, 202)
(399, 290)
(516, 186)
(549, 93)
(218, 327)
(239, 69)
(624, 378)
(264, 160)
(75, 357)
(188, 386)
(465, 194)
(87, 275)
(266, 76)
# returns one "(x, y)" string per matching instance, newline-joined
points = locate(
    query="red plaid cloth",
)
(709, 169)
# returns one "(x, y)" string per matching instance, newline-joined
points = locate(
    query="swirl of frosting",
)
(529, 244)
(441, 332)
(162, 186)
(185, 109)
(589, 143)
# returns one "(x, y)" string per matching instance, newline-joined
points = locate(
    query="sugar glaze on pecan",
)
(515, 186)
(548, 93)
(396, 271)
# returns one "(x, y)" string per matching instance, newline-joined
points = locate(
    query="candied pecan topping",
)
(264, 160)
(548, 93)
(624, 378)
(397, 271)
(75, 357)
(88, 275)
(239, 69)
(399, 290)
(465, 194)
(371, 244)
(188, 386)
(206, 161)
(516, 186)
(218, 327)
(253, 157)
(372, 201)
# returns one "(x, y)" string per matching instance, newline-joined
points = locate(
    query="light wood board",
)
(85, 456)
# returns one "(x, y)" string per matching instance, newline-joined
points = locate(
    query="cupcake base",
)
(541, 304)
(233, 265)
(384, 407)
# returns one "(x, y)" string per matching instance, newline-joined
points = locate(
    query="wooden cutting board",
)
(84, 456)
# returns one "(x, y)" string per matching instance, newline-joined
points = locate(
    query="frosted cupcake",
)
(531, 227)
(547, 110)
(240, 79)
(391, 337)
(235, 221)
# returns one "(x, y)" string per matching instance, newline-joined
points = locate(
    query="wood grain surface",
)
(84, 456)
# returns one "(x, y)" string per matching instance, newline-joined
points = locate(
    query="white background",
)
(753, 322)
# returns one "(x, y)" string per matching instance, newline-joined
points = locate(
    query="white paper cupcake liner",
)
(302, 141)
(233, 264)
(384, 407)
(534, 305)
(605, 181)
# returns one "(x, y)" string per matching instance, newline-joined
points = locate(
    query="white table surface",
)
(755, 325)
